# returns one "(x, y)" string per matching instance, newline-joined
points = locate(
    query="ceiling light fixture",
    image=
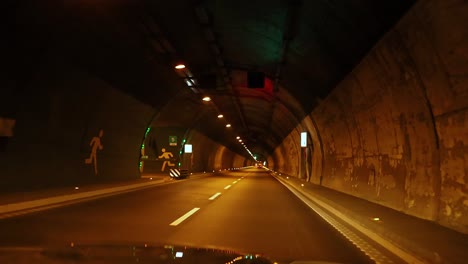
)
(206, 99)
(180, 66)
(228, 125)
(220, 116)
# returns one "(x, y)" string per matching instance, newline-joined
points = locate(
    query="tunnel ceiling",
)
(304, 48)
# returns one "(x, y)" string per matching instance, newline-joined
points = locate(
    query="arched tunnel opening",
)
(356, 98)
(187, 119)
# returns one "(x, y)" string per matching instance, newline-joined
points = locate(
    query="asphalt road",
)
(245, 210)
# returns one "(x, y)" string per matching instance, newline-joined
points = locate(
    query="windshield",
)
(235, 131)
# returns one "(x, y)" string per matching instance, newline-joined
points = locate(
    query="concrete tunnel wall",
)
(395, 130)
(209, 155)
(57, 115)
(291, 158)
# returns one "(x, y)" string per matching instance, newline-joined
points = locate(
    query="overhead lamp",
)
(206, 99)
(228, 125)
(237, 137)
(189, 82)
(240, 140)
(220, 116)
(180, 66)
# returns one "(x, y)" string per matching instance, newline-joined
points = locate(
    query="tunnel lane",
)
(248, 211)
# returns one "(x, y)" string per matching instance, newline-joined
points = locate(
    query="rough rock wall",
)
(395, 131)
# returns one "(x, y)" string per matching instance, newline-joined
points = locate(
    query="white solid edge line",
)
(375, 237)
(13, 207)
(185, 216)
(227, 187)
(214, 196)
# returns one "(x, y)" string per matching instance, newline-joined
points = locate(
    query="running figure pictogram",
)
(95, 144)
(167, 156)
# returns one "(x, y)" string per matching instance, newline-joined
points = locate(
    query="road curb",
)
(41, 204)
(21, 208)
(390, 244)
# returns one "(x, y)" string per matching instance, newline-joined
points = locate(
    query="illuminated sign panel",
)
(172, 140)
(188, 148)
(303, 139)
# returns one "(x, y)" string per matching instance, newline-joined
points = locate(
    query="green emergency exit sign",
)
(172, 140)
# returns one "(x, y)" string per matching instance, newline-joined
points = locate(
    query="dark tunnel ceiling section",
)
(325, 38)
(268, 121)
(307, 46)
(304, 47)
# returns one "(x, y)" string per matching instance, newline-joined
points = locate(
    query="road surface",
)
(246, 210)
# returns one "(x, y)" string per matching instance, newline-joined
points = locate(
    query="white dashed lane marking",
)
(214, 196)
(185, 216)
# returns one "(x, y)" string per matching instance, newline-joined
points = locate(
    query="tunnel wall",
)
(209, 155)
(290, 158)
(287, 156)
(395, 130)
(162, 149)
(61, 109)
(315, 145)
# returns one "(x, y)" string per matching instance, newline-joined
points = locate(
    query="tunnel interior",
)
(91, 92)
